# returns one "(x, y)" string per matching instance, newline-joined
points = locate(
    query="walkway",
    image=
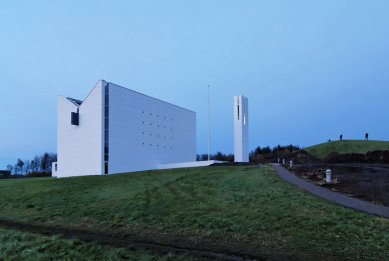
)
(338, 198)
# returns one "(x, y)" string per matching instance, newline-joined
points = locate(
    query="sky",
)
(312, 70)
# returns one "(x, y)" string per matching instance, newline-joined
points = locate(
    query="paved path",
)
(338, 198)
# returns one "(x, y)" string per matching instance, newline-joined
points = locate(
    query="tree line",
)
(259, 155)
(39, 166)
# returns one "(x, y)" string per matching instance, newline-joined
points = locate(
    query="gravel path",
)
(338, 198)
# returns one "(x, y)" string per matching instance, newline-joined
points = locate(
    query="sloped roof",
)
(74, 101)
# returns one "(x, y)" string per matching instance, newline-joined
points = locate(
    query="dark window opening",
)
(238, 112)
(75, 118)
(106, 112)
(106, 138)
(106, 128)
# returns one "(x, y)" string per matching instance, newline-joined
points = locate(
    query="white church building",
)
(116, 130)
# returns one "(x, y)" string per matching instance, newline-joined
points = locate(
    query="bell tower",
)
(241, 129)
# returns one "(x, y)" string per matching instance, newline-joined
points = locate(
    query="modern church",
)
(116, 130)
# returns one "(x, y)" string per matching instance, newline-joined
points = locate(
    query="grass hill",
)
(245, 211)
(321, 151)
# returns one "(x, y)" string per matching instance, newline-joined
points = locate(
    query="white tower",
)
(241, 129)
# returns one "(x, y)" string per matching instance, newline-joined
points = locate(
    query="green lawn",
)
(346, 146)
(16, 245)
(242, 210)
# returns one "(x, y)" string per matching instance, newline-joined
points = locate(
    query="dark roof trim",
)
(74, 101)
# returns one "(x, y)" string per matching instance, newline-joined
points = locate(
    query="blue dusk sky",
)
(310, 69)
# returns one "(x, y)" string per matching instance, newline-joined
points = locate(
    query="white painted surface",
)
(54, 168)
(193, 164)
(144, 132)
(80, 147)
(241, 126)
(328, 176)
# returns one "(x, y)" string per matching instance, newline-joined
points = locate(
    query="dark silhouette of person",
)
(367, 136)
(341, 137)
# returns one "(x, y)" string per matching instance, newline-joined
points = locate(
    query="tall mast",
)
(209, 124)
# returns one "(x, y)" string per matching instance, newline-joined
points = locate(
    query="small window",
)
(106, 136)
(55, 167)
(75, 118)
(244, 119)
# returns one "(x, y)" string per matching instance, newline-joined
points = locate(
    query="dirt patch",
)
(378, 156)
(158, 242)
(302, 157)
(368, 182)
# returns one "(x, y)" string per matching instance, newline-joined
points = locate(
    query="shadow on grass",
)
(130, 241)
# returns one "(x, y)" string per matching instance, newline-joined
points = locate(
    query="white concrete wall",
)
(80, 148)
(54, 169)
(145, 132)
(241, 127)
(194, 164)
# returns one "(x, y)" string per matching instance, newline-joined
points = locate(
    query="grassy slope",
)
(244, 205)
(347, 146)
(16, 245)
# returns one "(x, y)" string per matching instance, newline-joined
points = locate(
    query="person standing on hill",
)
(367, 136)
(341, 137)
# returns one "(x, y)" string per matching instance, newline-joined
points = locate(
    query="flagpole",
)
(209, 124)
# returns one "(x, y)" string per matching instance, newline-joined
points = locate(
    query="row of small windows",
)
(158, 146)
(151, 124)
(150, 134)
(158, 116)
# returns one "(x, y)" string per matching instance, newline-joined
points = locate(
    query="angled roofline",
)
(152, 97)
(75, 101)
(79, 103)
